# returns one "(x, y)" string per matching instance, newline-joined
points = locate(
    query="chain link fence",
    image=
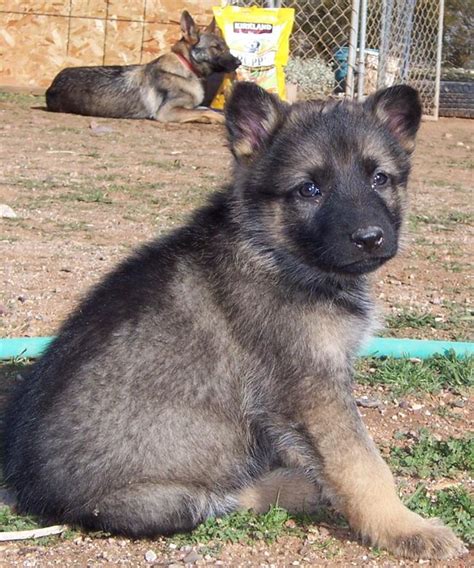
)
(400, 41)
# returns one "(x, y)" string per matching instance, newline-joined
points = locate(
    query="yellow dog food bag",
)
(260, 38)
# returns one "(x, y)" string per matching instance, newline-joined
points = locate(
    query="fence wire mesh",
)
(402, 45)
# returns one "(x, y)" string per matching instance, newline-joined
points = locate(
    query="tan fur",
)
(286, 488)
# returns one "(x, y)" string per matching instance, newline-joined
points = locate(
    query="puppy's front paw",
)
(426, 539)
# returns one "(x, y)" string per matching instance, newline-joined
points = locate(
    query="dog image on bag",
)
(167, 89)
(212, 370)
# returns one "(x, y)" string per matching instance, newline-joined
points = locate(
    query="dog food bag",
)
(260, 38)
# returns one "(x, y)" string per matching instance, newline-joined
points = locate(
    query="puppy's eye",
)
(380, 179)
(309, 189)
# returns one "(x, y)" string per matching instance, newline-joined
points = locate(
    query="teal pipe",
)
(27, 347)
(32, 347)
(417, 348)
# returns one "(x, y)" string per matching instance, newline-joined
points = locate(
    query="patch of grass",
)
(454, 506)
(410, 319)
(135, 189)
(429, 457)
(74, 226)
(242, 526)
(461, 217)
(457, 322)
(467, 164)
(22, 99)
(454, 266)
(441, 222)
(9, 521)
(404, 376)
(89, 197)
(246, 527)
(65, 129)
(166, 165)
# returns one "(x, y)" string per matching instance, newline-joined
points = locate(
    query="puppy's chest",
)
(329, 338)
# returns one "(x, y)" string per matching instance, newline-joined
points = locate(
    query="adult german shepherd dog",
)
(167, 89)
(212, 370)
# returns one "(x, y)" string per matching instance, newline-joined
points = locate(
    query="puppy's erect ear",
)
(252, 117)
(399, 108)
(189, 28)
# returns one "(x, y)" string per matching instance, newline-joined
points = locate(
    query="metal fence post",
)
(385, 34)
(352, 48)
(438, 59)
(361, 65)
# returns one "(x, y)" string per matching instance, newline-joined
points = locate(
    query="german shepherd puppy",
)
(212, 370)
(167, 89)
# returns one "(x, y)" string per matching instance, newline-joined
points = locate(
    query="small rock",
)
(416, 406)
(324, 532)
(172, 545)
(290, 523)
(447, 135)
(99, 129)
(150, 556)
(22, 298)
(459, 403)
(192, 557)
(367, 402)
(460, 144)
(403, 404)
(305, 549)
(400, 434)
(7, 212)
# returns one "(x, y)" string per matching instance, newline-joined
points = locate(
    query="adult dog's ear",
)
(212, 27)
(399, 108)
(189, 28)
(252, 117)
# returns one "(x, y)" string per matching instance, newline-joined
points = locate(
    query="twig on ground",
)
(34, 533)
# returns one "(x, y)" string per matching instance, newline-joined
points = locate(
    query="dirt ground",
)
(86, 191)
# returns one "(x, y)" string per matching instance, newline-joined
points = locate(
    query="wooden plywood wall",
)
(38, 38)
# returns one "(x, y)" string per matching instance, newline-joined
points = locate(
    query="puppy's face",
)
(324, 184)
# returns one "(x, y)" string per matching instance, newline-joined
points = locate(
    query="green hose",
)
(32, 347)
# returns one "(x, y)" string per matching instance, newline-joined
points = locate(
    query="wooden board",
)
(38, 38)
(30, 48)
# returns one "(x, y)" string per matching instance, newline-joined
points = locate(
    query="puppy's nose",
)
(368, 238)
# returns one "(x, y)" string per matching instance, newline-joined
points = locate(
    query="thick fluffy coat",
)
(212, 370)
